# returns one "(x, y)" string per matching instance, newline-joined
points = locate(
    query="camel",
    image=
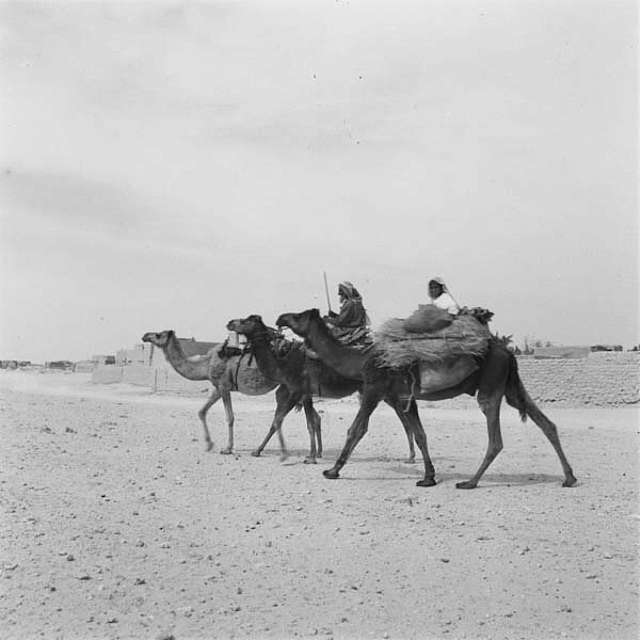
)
(304, 377)
(225, 374)
(496, 377)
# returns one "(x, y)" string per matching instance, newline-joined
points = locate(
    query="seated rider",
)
(441, 298)
(352, 323)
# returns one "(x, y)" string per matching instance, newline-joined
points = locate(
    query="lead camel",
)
(496, 377)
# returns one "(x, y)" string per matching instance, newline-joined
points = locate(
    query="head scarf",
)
(352, 311)
(445, 289)
(441, 282)
(349, 291)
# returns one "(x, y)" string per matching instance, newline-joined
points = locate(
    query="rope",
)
(412, 394)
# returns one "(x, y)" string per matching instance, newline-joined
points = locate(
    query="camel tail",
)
(515, 393)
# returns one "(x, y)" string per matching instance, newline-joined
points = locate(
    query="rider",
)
(352, 323)
(440, 296)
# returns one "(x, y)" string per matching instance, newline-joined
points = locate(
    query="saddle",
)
(225, 351)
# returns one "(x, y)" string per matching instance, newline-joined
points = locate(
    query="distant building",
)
(606, 347)
(60, 365)
(138, 354)
(84, 366)
(102, 359)
(540, 353)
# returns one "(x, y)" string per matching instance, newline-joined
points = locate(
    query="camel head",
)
(160, 340)
(299, 323)
(250, 326)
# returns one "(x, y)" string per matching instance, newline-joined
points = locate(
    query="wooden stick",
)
(326, 290)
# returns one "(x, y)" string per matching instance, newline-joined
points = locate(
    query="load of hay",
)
(430, 337)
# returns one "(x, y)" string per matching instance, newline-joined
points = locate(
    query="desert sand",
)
(116, 523)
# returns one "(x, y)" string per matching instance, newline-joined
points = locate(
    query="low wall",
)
(106, 374)
(165, 380)
(602, 378)
(131, 374)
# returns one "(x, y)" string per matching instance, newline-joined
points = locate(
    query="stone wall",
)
(602, 378)
(130, 374)
(106, 374)
(165, 380)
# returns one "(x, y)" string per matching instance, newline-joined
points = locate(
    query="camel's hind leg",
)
(490, 406)
(407, 429)
(416, 431)
(228, 410)
(284, 403)
(313, 426)
(551, 431)
(202, 414)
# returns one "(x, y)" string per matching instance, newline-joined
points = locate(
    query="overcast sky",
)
(177, 165)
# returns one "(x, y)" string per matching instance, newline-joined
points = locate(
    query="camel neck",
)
(347, 361)
(264, 355)
(187, 369)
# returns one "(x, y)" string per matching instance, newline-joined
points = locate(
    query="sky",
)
(176, 165)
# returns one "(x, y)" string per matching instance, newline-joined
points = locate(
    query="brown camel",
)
(225, 374)
(496, 377)
(304, 377)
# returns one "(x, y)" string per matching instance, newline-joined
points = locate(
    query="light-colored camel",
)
(226, 374)
(496, 377)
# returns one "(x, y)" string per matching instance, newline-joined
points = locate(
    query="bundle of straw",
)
(397, 348)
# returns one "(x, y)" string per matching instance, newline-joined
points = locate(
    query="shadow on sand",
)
(389, 465)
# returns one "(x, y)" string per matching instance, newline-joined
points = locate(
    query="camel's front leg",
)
(228, 410)
(202, 414)
(313, 426)
(354, 435)
(284, 403)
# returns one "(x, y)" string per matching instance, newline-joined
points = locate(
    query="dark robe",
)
(351, 324)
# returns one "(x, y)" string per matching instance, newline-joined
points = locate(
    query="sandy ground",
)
(117, 524)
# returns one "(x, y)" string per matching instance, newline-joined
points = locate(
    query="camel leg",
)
(313, 426)
(407, 429)
(228, 410)
(490, 406)
(551, 432)
(355, 434)
(284, 403)
(416, 431)
(202, 414)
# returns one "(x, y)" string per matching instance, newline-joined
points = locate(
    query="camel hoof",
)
(284, 457)
(310, 460)
(570, 482)
(256, 453)
(208, 446)
(226, 452)
(467, 484)
(330, 474)
(427, 482)
(410, 460)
